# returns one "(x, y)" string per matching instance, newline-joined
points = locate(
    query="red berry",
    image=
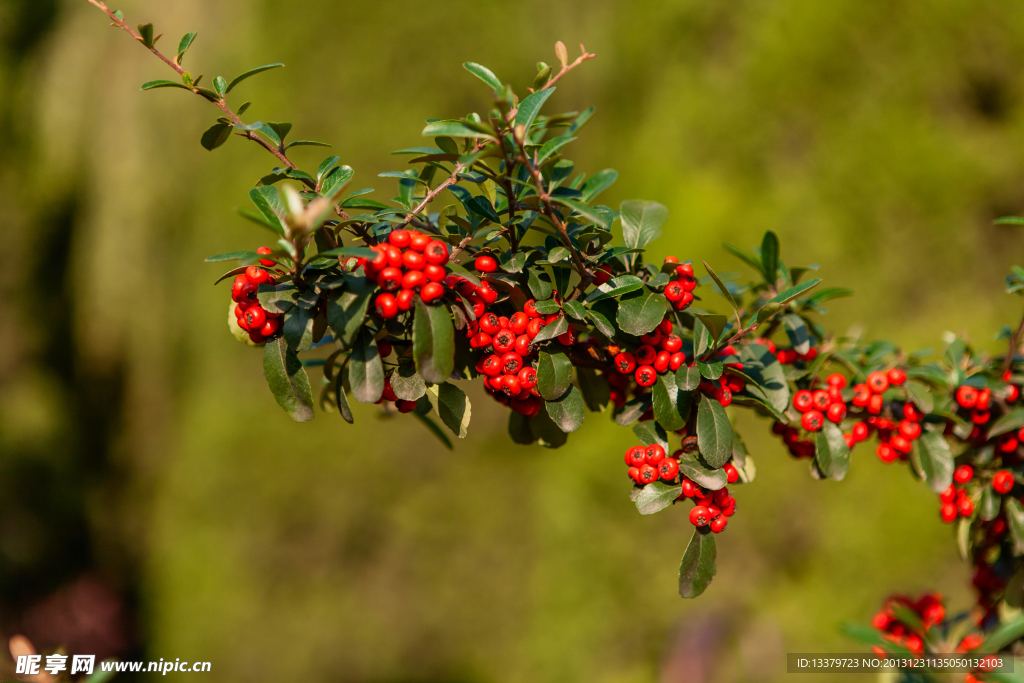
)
(910, 429)
(661, 362)
(387, 305)
(486, 264)
(668, 468)
(652, 338)
(487, 293)
(257, 274)
(634, 474)
(504, 341)
(399, 238)
(676, 361)
(389, 279)
(861, 395)
(625, 362)
(394, 256)
(896, 376)
(875, 404)
(674, 291)
(647, 474)
(567, 338)
(635, 456)
(803, 400)
(878, 382)
(719, 523)
(646, 354)
(963, 474)
(406, 299)
(654, 454)
(949, 495)
(1002, 481)
(490, 324)
(1008, 443)
(254, 316)
(480, 340)
(732, 475)
(984, 398)
(436, 252)
(265, 251)
(700, 516)
(527, 378)
(965, 506)
(645, 375)
(270, 327)
(432, 291)
(812, 420)
(419, 241)
(243, 289)
(602, 274)
(886, 453)
(860, 431)
(836, 380)
(901, 443)
(413, 279)
(836, 412)
(511, 363)
(820, 400)
(491, 365)
(413, 260)
(967, 397)
(948, 512)
(518, 322)
(510, 385)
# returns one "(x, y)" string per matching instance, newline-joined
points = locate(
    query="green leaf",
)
(552, 146)
(770, 257)
(575, 309)
(567, 411)
(251, 72)
(298, 328)
(552, 330)
(670, 407)
(714, 433)
(632, 411)
(357, 252)
(547, 432)
(184, 44)
(268, 202)
(407, 383)
(219, 85)
(655, 497)
(698, 565)
(598, 183)
(721, 286)
(594, 388)
(146, 32)
(936, 460)
(365, 369)
(277, 298)
(554, 374)
(1003, 635)
(1008, 220)
(793, 292)
(1009, 422)
(651, 433)
(307, 143)
(710, 370)
(693, 468)
(641, 221)
(641, 312)
(519, 429)
(233, 256)
(688, 377)
(452, 406)
(746, 257)
(529, 108)
(826, 294)
(288, 380)
(433, 342)
(453, 129)
(591, 214)
(921, 396)
(547, 307)
(281, 129)
(602, 318)
(484, 74)
(215, 136)
(765, 313)
(832, 452)
(347, 311)
(164, 84)
(435, 430)
(615, 287)
(1015, 519)
(714, 323)
(796, 330)
(768, 374)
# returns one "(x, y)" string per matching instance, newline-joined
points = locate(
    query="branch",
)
(1014, 345)
(459, 249)
(566, 68)
(451, 180)
(221, 104)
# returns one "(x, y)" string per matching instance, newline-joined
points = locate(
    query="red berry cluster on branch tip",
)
(259, 323)
(659, 352)
(409, 263)
(928, 609)
(679, 290)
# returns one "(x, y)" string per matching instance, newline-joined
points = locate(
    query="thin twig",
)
(459, 249)
(1014, 345)
(566, 68)
(221, 104)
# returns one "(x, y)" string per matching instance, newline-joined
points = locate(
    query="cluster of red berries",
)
(787, 356)
(710, 508)
(679, 291)
(508, 375)
(660, 352)
(403, 406)
(928, 608)
(955, 500)
(251, 317)
(817, 406)
(410, 262)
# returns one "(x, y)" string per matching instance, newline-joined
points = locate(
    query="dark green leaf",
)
(595, 389)
(268, 201)
(307, 143)
(710, 370)
(670, 407)
(233, 256)
(546, 431)
(298, 328)
(796, 330)
(714, 433)
(922, 397)
(1015, 519)
(567, 411)
(484, 74)
(826, 294)
(453, 129)
(251, 72)
(714, 323)
(936, 461)
(529, 108)
(650, 432)
(746, 257)
(765, 313)
(770, 257)
(146, 31)
(219, 85)
(793, 292)
(341, 398)
(575, 309)
(365, 369)
(165, 84)
(701, 338)
(347, 311)
(598, 183)
(988, 505)
(721, 286)
(519, 429)
(632, 411)
(601, 315)
(589, 213)
(184, 44)
(215, 136)
(688, 377)
(768, 374)
(277, 298)
(547, 307)
(693, 468)
(288, 380)
(1003, 635)
(656, 496)
(554, 374)
(698, 565)
(433, 342)
(641, 312)
(452, 406)
(552, 329)
(1009, 422)
(641, 221)
(615, 287)
(552, 146)
(407, 384)
(832, 452)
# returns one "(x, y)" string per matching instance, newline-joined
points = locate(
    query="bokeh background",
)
(155, 502)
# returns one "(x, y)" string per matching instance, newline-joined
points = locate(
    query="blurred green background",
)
(155, 502)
